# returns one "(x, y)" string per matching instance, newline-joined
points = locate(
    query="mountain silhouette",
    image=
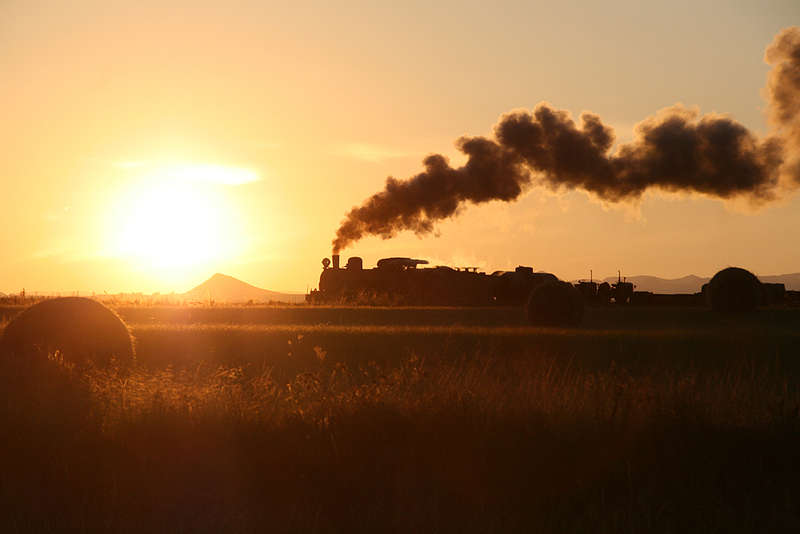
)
(791, 281)
(224, 288)
(693, 284)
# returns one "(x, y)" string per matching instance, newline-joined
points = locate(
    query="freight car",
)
(620, 292)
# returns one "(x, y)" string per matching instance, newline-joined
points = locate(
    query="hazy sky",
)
(146, 147)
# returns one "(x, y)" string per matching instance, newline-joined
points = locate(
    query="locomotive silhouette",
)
(401, 281)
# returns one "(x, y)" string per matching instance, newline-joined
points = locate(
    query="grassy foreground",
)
(253, 428)
(485, 445)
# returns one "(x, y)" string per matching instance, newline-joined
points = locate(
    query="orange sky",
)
(147, 147)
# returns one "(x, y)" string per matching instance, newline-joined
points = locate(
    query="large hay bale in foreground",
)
(83, 330)
(734, 290)
(555, 303)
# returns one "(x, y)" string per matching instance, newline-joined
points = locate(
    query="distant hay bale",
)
(81, 329)
(555, 303)
(734, 290)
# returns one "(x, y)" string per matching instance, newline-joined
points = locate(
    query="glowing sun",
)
(178, 218)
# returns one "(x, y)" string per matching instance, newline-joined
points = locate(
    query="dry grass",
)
(482, 445)
(433, 429)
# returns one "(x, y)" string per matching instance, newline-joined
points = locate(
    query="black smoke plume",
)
(783, 97)
(675, 150)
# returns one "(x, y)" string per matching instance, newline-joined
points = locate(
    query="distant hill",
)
(224, 288)
(792, 281)
(693, 284)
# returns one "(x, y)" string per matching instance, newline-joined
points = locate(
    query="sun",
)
(178, 219)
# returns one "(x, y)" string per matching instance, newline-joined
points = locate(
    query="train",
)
(412, 282)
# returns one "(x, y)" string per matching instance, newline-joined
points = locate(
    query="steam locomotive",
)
(403, 281)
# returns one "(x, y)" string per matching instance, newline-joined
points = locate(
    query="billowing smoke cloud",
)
(783, 97)
(675, 150)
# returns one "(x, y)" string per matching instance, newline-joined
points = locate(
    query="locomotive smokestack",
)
(335, 261)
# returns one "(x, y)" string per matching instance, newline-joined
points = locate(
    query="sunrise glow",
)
(147, 146)
(178, 219)
(373, 266)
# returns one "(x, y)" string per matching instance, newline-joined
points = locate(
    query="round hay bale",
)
(82, 330)
(734, 290)
(555, 303)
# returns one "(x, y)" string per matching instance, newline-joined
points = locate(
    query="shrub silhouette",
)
(555, 303)
(734, 290)
(81, 330)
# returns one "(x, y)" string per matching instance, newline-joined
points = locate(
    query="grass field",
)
(295, 419)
